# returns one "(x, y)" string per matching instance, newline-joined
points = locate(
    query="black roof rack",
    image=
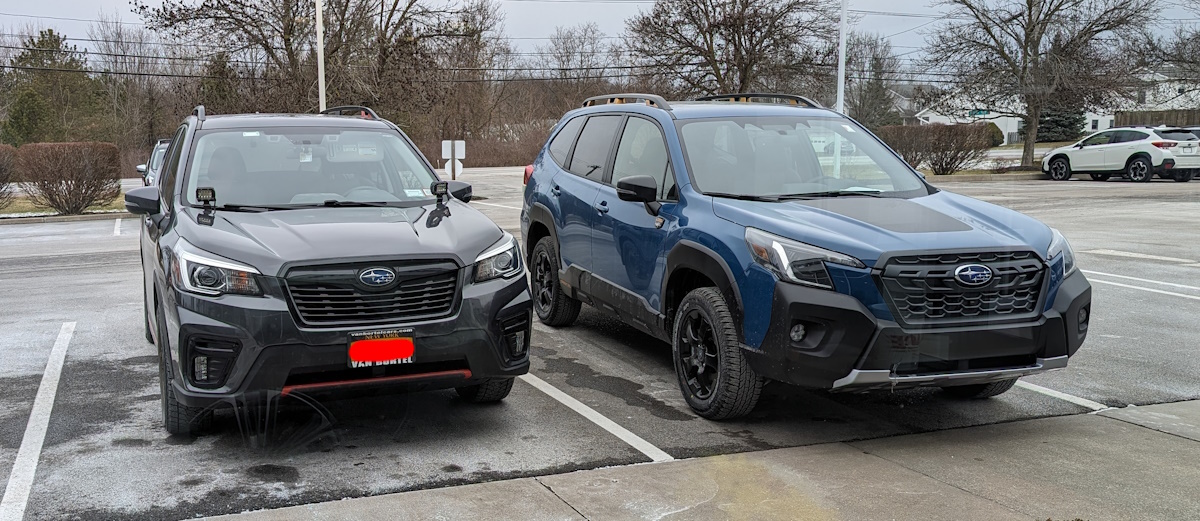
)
(351, 110)
(628, 97)
(198, 112)
(759, 97)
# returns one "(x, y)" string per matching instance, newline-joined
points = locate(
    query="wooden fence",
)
(1180, 118)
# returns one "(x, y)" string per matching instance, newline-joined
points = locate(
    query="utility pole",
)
(321, 52)
(840, 105)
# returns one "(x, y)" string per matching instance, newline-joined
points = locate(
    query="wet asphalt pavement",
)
(106, 457)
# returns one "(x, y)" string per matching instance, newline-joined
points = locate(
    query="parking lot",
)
(600, 392)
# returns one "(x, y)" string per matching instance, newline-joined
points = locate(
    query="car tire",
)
(1183, 176)
(489, 391)
(177, 417)
(979, 391)
(1100, 177)
(1139, 170)
(730, 388)
(1060, 169)
(552, 305)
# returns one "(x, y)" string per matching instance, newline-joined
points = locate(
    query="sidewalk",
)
(1134, 463)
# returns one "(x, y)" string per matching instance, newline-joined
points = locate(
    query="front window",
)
(156, 158)
(305, 166)
(792, 156)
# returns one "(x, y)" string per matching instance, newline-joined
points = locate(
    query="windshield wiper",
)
(252, 208)
(832, 193)
(745, 197)
(351, 204)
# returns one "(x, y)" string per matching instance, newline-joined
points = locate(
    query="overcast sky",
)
(528, 21)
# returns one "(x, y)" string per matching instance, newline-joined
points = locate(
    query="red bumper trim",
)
(460, 373)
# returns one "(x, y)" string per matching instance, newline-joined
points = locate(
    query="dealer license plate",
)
(379, 348)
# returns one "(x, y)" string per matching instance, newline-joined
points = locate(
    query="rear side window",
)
(1125, 136)
(1177, 134)
(591, 151)
(560, 146)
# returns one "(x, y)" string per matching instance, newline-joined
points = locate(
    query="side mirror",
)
(142, 170)
(142, 201)
(460, 190)
(1079, 145)
(638, 188)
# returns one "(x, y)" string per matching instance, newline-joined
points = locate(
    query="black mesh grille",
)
(332, 297)
(922, 290)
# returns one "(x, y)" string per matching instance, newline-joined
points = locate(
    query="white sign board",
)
(454, 168)
(456, 149)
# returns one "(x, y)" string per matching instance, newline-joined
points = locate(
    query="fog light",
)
(797, 333)
(200, 369)
(516, 344)
(1083, 319)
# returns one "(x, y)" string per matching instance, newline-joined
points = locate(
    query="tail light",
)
(1165, 144)
(528, 174)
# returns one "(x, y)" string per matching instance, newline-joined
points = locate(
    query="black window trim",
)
(662, 135)
(612, 147)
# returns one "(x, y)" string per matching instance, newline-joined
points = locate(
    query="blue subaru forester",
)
(765, 237)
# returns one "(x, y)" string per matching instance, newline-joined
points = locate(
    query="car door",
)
(576, 191)
(1090, 152)
(627, 240)
(1125, 144)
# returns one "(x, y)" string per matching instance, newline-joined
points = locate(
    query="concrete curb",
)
(66, 218)
(986, 178)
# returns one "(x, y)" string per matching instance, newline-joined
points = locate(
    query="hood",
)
(867, 227)
(271, 240)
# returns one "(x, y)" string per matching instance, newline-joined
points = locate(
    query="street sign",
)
(453, 167)
(454, 150)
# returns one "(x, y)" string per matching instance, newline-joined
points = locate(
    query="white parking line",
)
(1151, 290)
(1172, 284)
(117, 227)
(497, 205)
(1083, 402)
(635, 441)
(20, 480)
(1133, 255)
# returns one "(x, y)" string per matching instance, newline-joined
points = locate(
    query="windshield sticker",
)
(413, 193)
(306, 156)
(251, 134)
(366, 150)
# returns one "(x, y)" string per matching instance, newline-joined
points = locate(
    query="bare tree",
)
(729, 45)
(1016, 57)
(871, 70)
(580, 62)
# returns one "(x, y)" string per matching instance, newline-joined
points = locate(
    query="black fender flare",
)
(540, 214)
(695, 256)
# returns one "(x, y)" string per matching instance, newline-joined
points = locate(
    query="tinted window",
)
(1177, 134)
(591, 152)
(560, 146)
(166, 178)
(1126, 136)
(793, 155)
(280, 166)
(1102, 138)
(643, 152)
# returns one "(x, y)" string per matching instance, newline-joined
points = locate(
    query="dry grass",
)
(22, 204)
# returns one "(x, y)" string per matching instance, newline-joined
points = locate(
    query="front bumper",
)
(275, 354)
(847, 348)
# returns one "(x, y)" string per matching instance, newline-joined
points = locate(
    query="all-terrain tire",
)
(735, 388)
(491, 390)
(977, 391)
(553, 306)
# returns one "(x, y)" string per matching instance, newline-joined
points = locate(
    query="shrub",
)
(8, 176)
(954, 147)
(910, 141)
(69, 177)
(995, 135)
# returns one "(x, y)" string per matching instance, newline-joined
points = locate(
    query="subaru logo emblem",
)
(377, 277)
(973, 274)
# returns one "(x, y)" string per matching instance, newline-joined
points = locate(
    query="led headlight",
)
(1059, 245)
(794, 261)
(199, 272)
(503, 260)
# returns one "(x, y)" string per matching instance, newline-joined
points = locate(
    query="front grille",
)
(331, 297)
(922, 291)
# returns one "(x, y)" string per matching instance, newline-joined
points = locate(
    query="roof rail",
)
(759, 97)
(350, 110)
(628, 97)
(198, 112)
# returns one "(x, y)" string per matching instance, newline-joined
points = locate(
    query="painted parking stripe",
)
(1143, 256)
(635, 441)
(117, 227)
(1082, 402)
(1172, 284)
(497, 205)
(1151, 290)
(20, 481)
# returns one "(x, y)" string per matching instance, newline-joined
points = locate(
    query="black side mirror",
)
(640, 189)
(1079, 145)
(142, 201)
(460, 190)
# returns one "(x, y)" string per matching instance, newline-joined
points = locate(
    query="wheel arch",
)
(541, 224)
(691, 265)
(1136, 155)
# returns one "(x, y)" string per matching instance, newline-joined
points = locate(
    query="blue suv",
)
(765, 237)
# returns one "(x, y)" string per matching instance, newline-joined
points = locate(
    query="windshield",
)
(307, 166)
(774, 156)
(156, 157)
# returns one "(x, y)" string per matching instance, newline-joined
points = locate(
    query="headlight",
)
(501, 261)
(794, 261)
(199, 272)
(1059, 245)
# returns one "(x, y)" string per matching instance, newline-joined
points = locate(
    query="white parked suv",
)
(1135, 153)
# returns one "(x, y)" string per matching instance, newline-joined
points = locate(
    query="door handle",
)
(602, 207)
(555, 191)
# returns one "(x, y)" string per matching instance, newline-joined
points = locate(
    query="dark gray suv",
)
(287, 254)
